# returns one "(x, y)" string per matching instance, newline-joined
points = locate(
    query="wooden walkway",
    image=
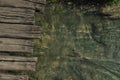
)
(17, 31)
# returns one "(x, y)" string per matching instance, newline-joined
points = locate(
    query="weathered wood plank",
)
(17, 15)
(19, 31)
(13, 77)
(37, 1)
(10, 41)
(15, 45)
(17, 66)
(18, 59)
(15, 49)
(39, 5)
(17, 3)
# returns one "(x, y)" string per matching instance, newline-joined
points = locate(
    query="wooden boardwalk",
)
(17, 31)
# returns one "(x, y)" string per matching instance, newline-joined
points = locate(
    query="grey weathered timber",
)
(15, 45)
(13, 77)
(17, 63)
(17, 66)
(28, 4)
(39, 4)
(37, 1)
(18, 59)
(10, 41)
(16, 15)
(19, 31)
(17, 4)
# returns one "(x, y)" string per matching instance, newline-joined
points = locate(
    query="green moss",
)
(67, 31)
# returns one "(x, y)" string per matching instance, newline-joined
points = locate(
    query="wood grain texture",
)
(17, 66)
(39, 5)
(13, 77)
(17, 31)
(17, 59)
(17, 15)
(17, 3)
(16, 45)
(20, 31)
(37, 1)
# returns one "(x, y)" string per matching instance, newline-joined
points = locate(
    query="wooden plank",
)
(13, 77)
(37, 1)
(39, 5)
(17, 66)
(19, 31)
(10, 41)
(17, 3)
(15, 45)
(17, 15)
(18, 59)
